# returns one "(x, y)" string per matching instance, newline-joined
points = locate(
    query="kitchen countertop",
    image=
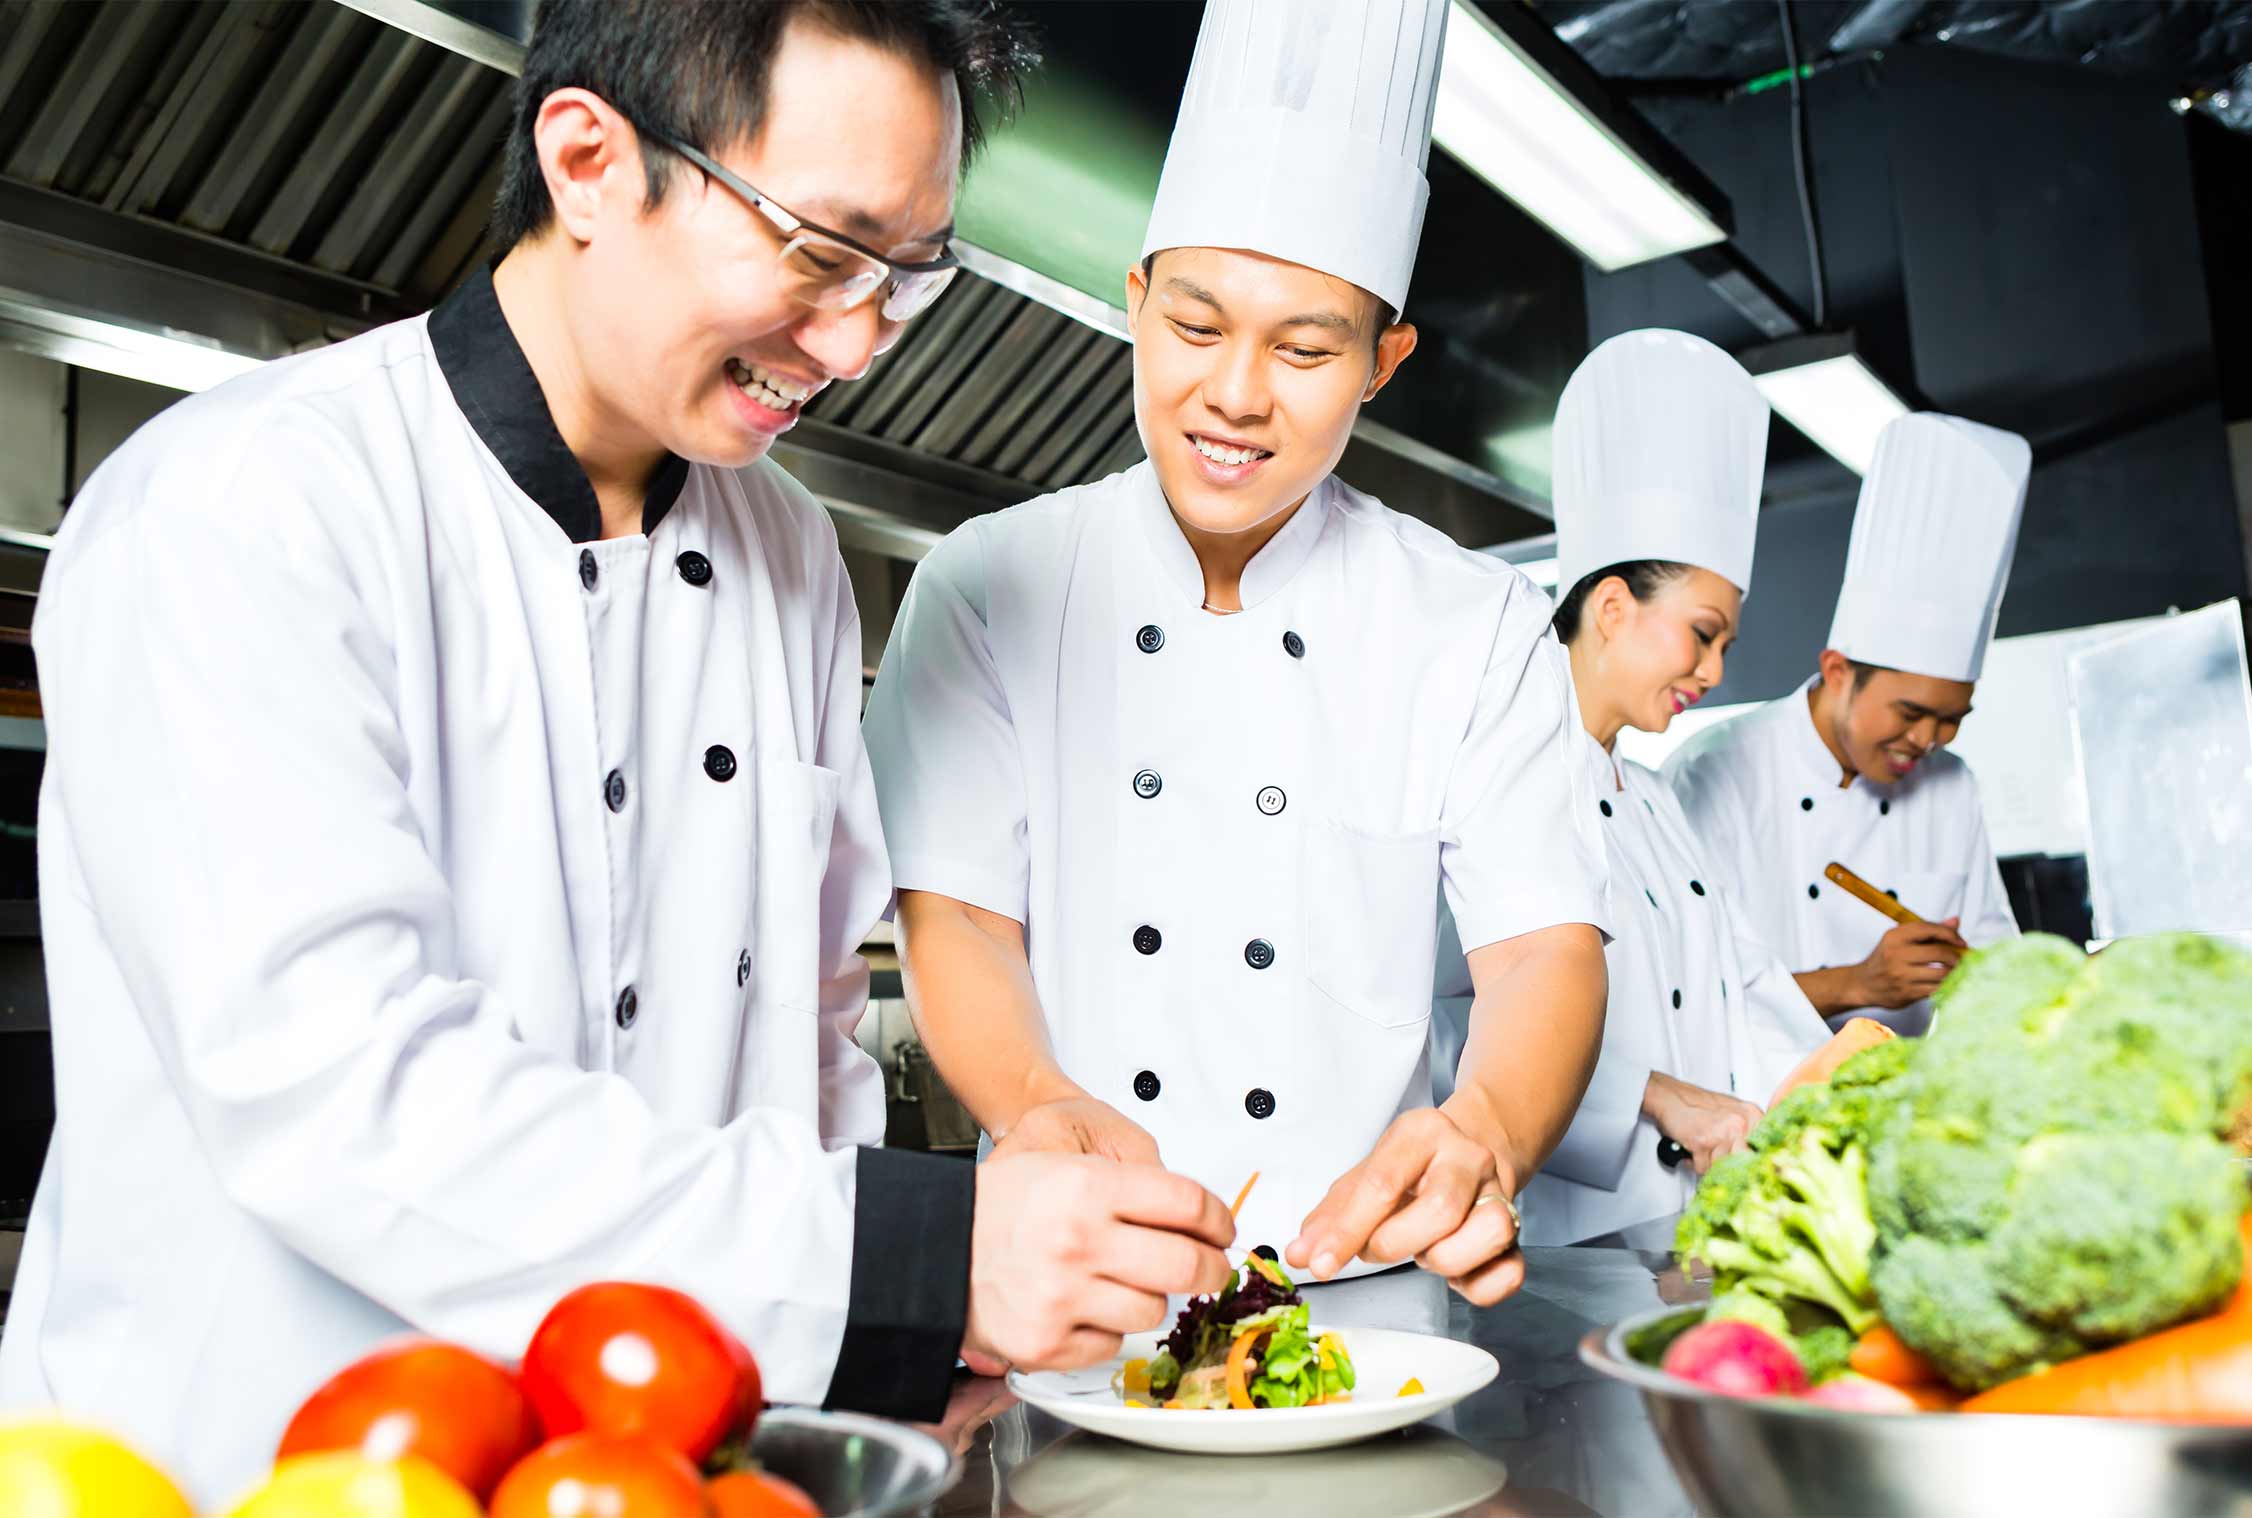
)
(1549, 1437)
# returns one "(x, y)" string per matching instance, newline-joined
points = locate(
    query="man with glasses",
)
(456, 836)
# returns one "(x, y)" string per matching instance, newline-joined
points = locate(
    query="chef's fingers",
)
(1488, 1285)
(1115, 1309)
(1442, 1204)
(1160, 1199)
(1932, 933)
(1484, 1236)
(1364, 1196)
(1153, 1259)
(984, 1364)
(1080, 1347)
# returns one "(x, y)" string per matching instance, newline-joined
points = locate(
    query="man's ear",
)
(1393, 345)
(1837, 674)
(587, 151)
(1137, 291)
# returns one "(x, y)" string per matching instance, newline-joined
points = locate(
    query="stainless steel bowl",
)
(1741, 1458)
(855, 1467)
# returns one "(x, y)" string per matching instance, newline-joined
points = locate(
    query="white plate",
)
(1384, 1359)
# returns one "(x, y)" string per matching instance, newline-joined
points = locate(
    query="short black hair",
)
(696, 71)
(1375, 338)
(1644, 579)
(1863, 673)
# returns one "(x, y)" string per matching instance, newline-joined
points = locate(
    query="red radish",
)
(1736, 1359)
(1860, 1394)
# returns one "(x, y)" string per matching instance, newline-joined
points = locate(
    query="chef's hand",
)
(1706, 1123)
(1428, 1192)
(1068, 1253)
(1080, 1125)
(1909, 962)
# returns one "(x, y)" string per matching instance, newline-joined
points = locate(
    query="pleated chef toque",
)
(1303, 134)
(1932, 539)
(1660, 447)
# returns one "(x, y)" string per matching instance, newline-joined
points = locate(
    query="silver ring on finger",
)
(1516, 1218)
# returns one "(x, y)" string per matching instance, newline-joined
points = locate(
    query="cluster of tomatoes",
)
(632, 1402)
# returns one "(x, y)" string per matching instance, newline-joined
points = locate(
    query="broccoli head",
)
(2048, 1180)
(1790, 1224)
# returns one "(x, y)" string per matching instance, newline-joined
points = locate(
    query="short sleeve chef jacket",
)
(444, 909)
(1762, 791)
(1226, 836)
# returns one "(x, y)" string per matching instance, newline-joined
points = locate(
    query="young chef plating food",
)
(1174, 766)
(1661, 442)
(1854, 769)
(456, 835)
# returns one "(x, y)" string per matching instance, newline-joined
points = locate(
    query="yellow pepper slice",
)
(1411, 1387)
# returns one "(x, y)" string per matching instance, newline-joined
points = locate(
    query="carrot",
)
(1881, 1356)
(1858, 1034)
(2199, 1372)
(1239, 1361)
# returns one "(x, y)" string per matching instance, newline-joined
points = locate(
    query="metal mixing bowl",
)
(1741, 1458)
(854, 1467)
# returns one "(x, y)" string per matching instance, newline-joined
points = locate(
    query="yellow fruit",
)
(49, 1469)
(1411, 1387)
(348, 1485)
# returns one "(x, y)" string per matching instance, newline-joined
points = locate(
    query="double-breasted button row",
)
(628, 1007)
(692, 566)
(1150, 638)
(1259, 1101)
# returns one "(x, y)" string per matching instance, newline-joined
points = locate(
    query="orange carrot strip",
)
(1239, 1361)
(1246, 1191)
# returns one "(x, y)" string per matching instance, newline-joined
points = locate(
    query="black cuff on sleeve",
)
(910, 1284)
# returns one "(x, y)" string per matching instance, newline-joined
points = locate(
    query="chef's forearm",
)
(1536, 1031)
(969, 987)
(1834, 990)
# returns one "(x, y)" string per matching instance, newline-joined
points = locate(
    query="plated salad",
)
(1250, 1346)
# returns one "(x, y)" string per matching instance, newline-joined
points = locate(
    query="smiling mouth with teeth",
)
(1220, 453)
(767, 388)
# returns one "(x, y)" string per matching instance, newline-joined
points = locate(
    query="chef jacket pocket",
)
(1372, 920)
(797, 816)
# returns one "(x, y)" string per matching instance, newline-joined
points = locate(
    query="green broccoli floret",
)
(1824, 1352)
(2048, 1181)
(1791, 1224)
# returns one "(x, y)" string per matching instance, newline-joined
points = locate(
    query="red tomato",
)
(758, 1494)
(601, 1476)
(620, 1358)
(455, 1409)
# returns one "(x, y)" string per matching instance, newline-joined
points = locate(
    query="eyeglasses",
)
(828, 270)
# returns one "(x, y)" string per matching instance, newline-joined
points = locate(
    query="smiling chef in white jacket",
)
(1661, 443)
(456, 837)
(1854, 766)
(1174, 765)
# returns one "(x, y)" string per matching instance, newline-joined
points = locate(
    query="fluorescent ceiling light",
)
(157, 356)
(1824, 388)
(1563, 155)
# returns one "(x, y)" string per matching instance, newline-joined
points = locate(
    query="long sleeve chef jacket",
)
(1762, 792)
(445, 908)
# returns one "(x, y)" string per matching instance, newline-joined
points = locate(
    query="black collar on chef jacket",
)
(493, 384)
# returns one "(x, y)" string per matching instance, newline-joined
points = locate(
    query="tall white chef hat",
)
(1303, 133)
(1932, 539)
(1660, 445)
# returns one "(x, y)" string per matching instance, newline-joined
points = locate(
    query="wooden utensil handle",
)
(1853, 885)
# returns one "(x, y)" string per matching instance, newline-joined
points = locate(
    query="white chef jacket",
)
(1691, 997)
(1762, 792)
(1226, 835)
(441, 913)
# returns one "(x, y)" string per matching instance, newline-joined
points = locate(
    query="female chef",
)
(1660, 444)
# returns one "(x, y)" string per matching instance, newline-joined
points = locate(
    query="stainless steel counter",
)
(1548, 1438)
